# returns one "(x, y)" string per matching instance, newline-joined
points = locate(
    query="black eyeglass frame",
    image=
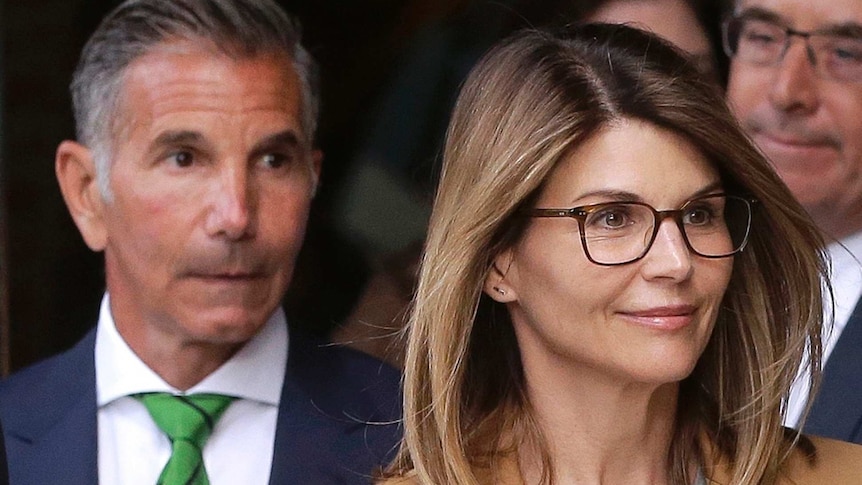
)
(581, 213)
(789, 33)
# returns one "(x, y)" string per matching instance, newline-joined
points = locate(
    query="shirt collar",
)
(845, 277)
(846, 253)
(255, 372)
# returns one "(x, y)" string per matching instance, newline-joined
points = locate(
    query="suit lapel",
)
(303, 446)
(837, 409)
(328, 398)
(305, 449)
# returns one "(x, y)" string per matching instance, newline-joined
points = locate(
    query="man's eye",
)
(846, 51)
(761, 34)
(276, 160)
(182, 159)
(760, 38)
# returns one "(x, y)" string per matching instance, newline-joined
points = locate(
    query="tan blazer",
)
(837, 463)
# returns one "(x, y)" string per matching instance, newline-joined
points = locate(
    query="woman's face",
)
(643, 322)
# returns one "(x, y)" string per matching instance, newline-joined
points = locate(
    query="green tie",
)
(188, 421)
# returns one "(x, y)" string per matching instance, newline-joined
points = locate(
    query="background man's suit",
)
(837, 409)
(331, 399)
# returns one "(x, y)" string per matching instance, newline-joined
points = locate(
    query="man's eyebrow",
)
(844, 29)
(178, 137)
(280, 140)
(758, 13)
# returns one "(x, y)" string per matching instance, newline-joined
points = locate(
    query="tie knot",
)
(188, 418)
(188, 421)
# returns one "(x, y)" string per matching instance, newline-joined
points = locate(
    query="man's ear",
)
(496, 285)
(76, 173)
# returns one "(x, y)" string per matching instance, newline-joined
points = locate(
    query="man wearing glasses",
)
(796, 86)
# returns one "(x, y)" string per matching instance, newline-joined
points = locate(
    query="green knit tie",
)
(188, 421)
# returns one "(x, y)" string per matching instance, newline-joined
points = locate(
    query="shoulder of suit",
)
(61, 373)
(835, 462)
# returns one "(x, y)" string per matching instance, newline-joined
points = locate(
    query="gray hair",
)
(238, 28)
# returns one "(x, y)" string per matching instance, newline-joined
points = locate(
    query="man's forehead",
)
(807, 14)
(182, 82)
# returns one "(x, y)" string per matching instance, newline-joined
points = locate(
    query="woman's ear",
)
(76, 174)
(496, 285)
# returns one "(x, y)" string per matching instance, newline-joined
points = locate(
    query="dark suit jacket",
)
(4, 470)
(837, 409)
(323, 436)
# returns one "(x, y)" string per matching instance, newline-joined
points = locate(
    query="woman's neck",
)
(599, 430)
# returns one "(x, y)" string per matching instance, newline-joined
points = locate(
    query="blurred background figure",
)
(796, 86)
(688, 24)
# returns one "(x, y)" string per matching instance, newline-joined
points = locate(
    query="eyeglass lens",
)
(714, 226)
(763, 42)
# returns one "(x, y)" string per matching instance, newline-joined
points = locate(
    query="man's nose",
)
(795, 85)
(231, 213)
(669, 256)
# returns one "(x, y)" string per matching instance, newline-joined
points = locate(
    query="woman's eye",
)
(614, 219)
(698, 217)
(610, 218)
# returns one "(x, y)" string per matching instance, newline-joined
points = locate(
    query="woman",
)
(616, 287)
(383, 306)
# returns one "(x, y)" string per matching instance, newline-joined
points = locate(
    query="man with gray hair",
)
(194, 171)
(796, 86)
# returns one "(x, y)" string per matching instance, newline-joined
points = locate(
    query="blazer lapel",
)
(837, 409)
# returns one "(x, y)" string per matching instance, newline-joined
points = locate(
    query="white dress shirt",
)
(846, 280)
(132, 448)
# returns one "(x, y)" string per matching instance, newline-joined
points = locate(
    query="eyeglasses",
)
(834, 55)
(614, 233)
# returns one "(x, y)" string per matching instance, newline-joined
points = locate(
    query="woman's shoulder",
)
(834, 462)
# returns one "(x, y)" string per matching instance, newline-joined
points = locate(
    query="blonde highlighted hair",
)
(527, 103)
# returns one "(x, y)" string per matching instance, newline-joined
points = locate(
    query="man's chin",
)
(228, 326)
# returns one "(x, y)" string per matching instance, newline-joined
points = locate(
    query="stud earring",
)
(499, 290)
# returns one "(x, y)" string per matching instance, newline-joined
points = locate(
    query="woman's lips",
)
(662, 318)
